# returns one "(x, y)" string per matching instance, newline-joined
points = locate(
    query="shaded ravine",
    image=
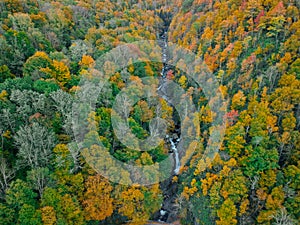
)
(168, 212)
(163, 42)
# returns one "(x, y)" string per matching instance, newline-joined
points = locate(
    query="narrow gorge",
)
(168, 211)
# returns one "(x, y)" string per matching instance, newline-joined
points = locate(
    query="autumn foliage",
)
(251, 47)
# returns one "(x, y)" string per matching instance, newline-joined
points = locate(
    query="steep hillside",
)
(65, 132)
(252, 47)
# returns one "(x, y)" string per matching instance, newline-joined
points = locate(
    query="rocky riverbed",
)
(168, 211)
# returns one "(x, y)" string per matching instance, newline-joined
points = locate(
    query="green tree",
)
(38, 178)
(19, 194)
(5, 73)
(66, 207)
(35, 63)
(20, 48)
(28, 215)
(7, 215)
(258, 159)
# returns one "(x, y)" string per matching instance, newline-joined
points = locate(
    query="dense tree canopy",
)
(251, 47)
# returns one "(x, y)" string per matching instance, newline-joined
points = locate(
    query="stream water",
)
(167, 213)
(163, 42)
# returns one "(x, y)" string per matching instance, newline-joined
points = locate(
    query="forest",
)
(205, 112)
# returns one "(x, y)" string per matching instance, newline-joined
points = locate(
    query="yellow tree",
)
(60, 72)
(131, 205)
(48, 215)
(238, 100)
(98, 203)
(86, 61)
(227, 213)
(35, 65)
(274, 202)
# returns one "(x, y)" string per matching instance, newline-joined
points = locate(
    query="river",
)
(168, 212)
